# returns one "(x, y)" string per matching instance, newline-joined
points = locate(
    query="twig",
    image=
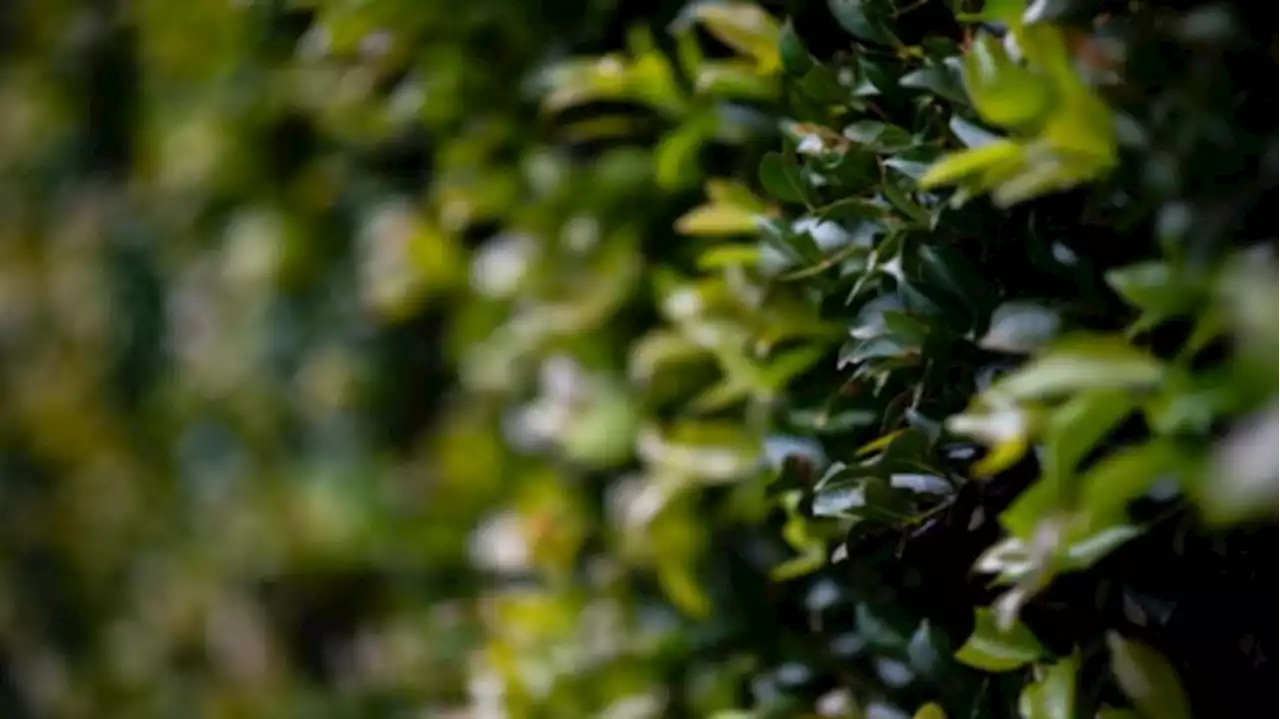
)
(827, 263)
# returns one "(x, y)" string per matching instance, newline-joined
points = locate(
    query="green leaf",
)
(1074, 429)
(879, 136)
(1152, 287)
(824, 421)
(709, 451)
(901, 200)
(993, 650)
(1004, 430)
(717, 221)
(733, 79)
(930, 711)
(1020, 327)
(1084, 552)
(745, 27)
(924, 649)
(949, 269)
(660, 350)
(942, 79)
(1108, 487)
(675, 161)
(822, 84)
(681, 587)
(1148, 679)
(863, 19)
(1007, 12)
(864, 497)
(1085, 363)
(1002, 91)
(853, 209)
(780, 176)
(796, 59)
(996, 159)
(877, 347)
(1053, 695)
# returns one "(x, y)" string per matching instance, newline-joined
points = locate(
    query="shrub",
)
(873, 358)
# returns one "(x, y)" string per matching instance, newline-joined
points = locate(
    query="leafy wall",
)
(867, 358)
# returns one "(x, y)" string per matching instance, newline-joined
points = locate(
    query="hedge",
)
(874, 358)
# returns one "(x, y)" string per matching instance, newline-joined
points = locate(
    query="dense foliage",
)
(879, 358)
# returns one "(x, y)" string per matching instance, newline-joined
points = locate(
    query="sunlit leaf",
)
(993, 650)
(1053, 694)
(1003, 92)
(992, 159)
(745, 27)
(1086, 363)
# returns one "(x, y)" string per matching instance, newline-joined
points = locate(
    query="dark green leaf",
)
(822, 84)
(942, 79)
(796, 59)
(879, 136)
(950, 270)
(865, 497)
(780, 176)
(863, 19)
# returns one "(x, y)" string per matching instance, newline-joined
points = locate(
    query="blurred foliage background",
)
(861, 358)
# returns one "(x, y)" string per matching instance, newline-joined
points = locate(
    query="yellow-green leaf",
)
(996, 157)
(993, 650)
(716, 221)
(930, 711)
(1002, 91)
(1052, 696)
(746, 28)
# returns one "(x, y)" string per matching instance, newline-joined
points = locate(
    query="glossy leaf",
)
(994, 160)
(795, 57)
(1053, 694)
(993, 650)
(863, 19)
(1148, 679)
(1003, 92)
(780, 176)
